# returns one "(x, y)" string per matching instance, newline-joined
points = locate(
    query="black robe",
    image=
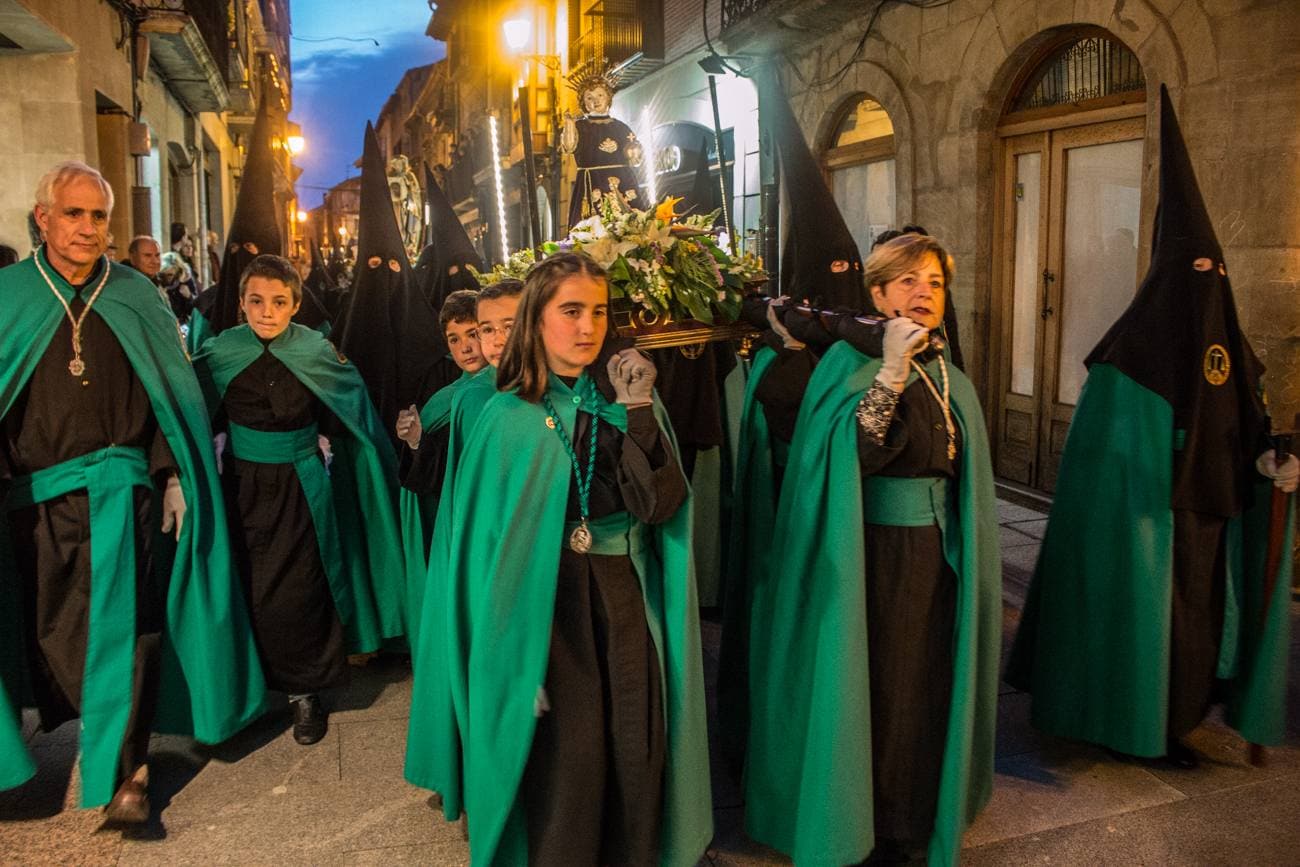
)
(911, 611)
(593, 785)
(297, 629)
(601, 157)
(56, 418)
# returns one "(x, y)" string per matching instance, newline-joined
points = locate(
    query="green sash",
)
(366, 571)
(211, 682)
(302, 449)
(890, 501)
(808, 765)
(1093, 645)
(503, 574)
(110, 477)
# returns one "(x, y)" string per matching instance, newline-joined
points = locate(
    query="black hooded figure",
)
(320, 294)
(444, 263)
(1158, 463)
(253, 231)
(704, 195)
(388, 328)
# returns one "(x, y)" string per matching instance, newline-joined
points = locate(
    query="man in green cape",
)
(1149, 585)
(808, 775)
(500, 611)
(352, 507)
(102, 430)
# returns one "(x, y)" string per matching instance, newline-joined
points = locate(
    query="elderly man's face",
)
(147, 258)
(75, 226)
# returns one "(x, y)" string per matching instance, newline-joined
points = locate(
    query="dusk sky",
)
(338, 85)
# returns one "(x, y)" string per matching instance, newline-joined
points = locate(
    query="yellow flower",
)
(667, 209)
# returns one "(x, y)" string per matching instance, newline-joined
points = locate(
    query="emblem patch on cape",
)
(608, 146)
(1217, 365)
(343, 359)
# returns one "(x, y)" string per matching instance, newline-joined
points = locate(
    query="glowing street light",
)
(518, 31)
(295, 144)
(302, 216)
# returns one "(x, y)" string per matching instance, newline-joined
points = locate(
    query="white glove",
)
(219, 448)
(778, 326)
(633, 376)
(1286, 477)
(323, 443)
(903, 339)
(173, 506)
(409, 428)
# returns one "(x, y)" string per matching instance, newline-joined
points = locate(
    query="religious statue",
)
(408, 203)
(606, 150)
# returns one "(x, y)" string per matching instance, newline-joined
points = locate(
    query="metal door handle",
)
(1048, 279)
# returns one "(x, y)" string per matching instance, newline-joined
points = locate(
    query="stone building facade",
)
(159, 96)
(1048, 210)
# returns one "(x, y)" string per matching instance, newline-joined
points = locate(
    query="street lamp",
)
(295, 144)
(518, 31)
(302, 216)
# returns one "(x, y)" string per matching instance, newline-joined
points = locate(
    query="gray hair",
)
(67, 171)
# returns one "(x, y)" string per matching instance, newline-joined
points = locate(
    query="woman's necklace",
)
(76, 366)
(580, 539)
(943, 402)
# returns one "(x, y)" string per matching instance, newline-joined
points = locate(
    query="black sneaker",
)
(310, 721)
(1181, 756)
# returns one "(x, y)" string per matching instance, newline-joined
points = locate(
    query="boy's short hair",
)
(460, 306)
(271, 267)
(509, 288)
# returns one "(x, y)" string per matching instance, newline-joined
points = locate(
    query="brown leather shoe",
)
(131, 803)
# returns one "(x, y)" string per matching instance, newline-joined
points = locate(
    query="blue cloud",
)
(338, 85)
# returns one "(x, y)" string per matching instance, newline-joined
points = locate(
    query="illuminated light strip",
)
(651, 182)
(501, 196)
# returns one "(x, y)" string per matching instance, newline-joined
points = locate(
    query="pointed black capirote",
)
(1180, 338)
(254, 229)
(443, 266)
(388, 329)
(317, 292)
(704, 195)
(820, 262)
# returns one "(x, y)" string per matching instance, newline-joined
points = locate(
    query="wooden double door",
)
(1070, 218)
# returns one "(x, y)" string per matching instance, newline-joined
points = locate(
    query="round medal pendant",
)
(580, 538)
(76, 367)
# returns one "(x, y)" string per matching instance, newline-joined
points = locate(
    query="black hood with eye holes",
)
(254, 229)
(388, 329)
(1181, 339)
(448, 248)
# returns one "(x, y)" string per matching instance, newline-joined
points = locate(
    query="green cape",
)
(750, 543)
(1093, 646)
(808, 770)
(368, 585)
(433, 746)
(507, 533)
(418, 511)
(212, 683)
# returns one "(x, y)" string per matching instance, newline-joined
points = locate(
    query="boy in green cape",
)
(102, 433)
(875, 634)
(424, 432)
(316, 538)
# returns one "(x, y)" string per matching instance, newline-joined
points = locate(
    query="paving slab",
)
(1248, 825)
(371, 749)
(1011, 512)
(1010, 537)
(1031, 528)
(1063, 784)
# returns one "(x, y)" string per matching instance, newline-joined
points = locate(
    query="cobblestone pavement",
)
(262, 799)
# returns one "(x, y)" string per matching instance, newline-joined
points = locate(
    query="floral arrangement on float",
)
(671, 284)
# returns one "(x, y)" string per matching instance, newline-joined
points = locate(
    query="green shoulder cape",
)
(507, 532)
(418, 511)
(750, 543)
(808, 763)
(1093, 644)
(433, 746)
(212, 683)
(367, 581)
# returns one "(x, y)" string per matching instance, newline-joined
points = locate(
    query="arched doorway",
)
(1066, 236)
(859, 164)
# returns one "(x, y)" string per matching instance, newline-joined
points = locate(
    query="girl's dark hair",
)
(523, 367)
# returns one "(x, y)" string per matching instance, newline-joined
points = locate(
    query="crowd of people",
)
(188, 530)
